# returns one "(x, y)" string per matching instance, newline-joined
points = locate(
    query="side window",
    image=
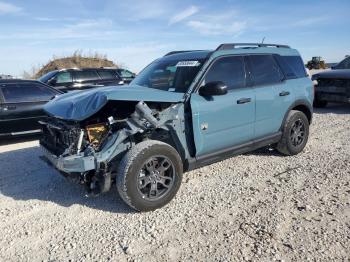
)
(264, 70)
(229, 70)
(64, 77)
(107, 74)
(292, 66)
(86, 75)
(125, 73)
(26, 92)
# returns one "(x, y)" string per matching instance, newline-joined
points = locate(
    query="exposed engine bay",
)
(89, 151)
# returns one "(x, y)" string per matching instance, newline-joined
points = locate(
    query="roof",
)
(86, 68)
(232, 48)
(187, 55)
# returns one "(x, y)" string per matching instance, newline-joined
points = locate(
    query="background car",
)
(126, 75)
(333, 85)
(79, 79)
(21, 106)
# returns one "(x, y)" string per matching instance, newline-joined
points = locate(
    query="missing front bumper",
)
(70, 164)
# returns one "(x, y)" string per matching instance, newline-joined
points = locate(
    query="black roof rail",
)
(179, 52)
(234, 45)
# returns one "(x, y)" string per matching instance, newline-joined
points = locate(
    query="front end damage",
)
(89, 151)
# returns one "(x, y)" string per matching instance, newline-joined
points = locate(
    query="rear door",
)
(222, 122)
(22, 107)
(85, 79)
(109, 77)
(273, 94)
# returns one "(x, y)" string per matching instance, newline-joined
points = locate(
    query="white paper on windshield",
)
(187, 63)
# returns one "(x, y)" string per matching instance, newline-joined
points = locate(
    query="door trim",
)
(223, 154)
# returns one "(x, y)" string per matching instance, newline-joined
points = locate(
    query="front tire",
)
(149, 175)
(295, 134)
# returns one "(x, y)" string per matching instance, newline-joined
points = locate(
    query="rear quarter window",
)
(125, 73)
(292, 66)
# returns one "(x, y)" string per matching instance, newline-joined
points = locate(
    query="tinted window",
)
(107, 74)
(229, 70)
(264, 70)
(85, 75)
(345, 64)
(26, 92)
(64, 77)
(47, 76)
(292, 66)
(125, 73)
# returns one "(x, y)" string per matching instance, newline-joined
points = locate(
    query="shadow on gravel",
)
(340, 109)
(24, 176)
(265, 151)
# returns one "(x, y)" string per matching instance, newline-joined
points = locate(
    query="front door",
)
(64, 81)
(222, 122)
(22, 107)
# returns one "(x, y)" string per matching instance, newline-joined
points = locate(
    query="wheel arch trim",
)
(299, 105)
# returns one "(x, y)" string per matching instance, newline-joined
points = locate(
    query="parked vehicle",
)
(126, 75)
(79, 79)
(2, 76)
(21, 106)
(215, 104)
(316, 63)
(333, 85)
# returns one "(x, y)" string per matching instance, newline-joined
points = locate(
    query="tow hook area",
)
(97, 184)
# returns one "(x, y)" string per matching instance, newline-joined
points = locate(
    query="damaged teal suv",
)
(183, 111)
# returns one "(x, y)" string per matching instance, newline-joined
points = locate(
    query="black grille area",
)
(334, 82)
(57, 138)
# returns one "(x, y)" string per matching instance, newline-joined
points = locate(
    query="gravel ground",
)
(257, 206)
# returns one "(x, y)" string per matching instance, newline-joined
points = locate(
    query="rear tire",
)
(149, 175)
(295, 134)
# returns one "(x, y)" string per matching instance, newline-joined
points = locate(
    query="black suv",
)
(79, 79)
(333, 85)
(21, 106)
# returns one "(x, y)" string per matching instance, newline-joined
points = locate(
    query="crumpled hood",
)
(335, 73)
(80, 105)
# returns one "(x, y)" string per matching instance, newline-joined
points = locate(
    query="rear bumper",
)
(70, 164)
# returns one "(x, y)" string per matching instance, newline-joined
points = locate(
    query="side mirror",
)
(217, 88)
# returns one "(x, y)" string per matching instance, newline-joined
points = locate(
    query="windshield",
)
(47, 76)
(169, 75)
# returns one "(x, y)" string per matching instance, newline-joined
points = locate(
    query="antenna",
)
(262, 41)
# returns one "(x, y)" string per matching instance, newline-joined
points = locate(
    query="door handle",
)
(6, 108)
(243, 101)
(284, 93)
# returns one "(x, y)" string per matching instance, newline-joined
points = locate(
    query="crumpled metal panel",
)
(80, 105)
